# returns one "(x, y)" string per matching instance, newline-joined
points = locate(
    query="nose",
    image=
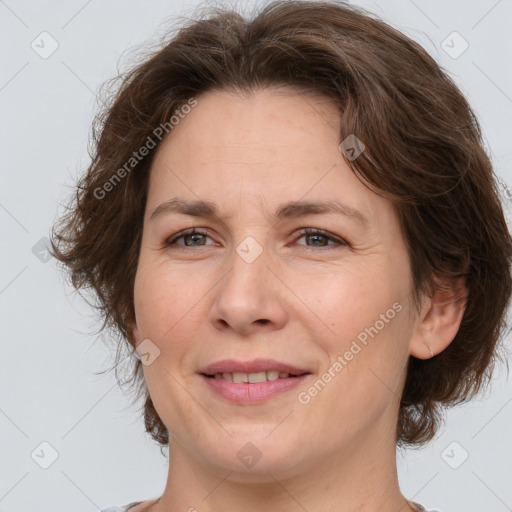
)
(250, 297)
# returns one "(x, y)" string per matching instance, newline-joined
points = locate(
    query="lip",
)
(256, 365)
(246, 393)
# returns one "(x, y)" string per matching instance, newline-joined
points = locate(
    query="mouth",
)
(257, 367)
(252, 378)
(251, 381)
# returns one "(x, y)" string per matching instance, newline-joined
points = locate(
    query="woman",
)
(294, 222)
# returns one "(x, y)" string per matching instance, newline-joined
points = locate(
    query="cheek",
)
(350, 301)
(166, 301)
(367, 341)
(362, 379)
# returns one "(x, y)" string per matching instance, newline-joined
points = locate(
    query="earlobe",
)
(430, 350)
(135, 335)
(439, 320)
(135, 340)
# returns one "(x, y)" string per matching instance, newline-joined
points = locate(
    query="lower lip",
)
(250, 393)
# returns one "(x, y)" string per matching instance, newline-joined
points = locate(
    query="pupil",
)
(317, 237)
(192, 235)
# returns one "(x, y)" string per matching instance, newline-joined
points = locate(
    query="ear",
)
(439, 319)
(135, 337)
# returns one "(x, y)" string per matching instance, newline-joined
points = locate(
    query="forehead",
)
(247, 128)
(261, 148)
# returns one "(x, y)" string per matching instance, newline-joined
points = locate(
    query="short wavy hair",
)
(423, 151)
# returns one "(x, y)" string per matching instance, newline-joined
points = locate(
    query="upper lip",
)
(254, 366)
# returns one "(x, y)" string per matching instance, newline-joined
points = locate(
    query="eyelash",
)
(304, 232)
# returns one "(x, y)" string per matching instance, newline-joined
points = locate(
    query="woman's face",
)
(336, 305)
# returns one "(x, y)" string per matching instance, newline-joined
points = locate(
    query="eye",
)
(316, 235)
(195, 237)
(191, 237)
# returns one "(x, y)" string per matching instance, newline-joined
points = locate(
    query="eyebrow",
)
(292, 209)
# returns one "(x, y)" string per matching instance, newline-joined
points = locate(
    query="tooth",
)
(240, 377)
(257, 377)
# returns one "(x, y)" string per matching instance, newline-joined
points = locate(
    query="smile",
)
(234, 387)
(240, 377)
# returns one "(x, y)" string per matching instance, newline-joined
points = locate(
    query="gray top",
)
(124, 508)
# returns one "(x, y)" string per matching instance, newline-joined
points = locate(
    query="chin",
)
(251, 458)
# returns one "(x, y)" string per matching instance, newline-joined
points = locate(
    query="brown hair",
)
(424, 152)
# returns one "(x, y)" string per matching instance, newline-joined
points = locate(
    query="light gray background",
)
(48, 389)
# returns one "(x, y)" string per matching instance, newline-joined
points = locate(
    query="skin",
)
(202, 303)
